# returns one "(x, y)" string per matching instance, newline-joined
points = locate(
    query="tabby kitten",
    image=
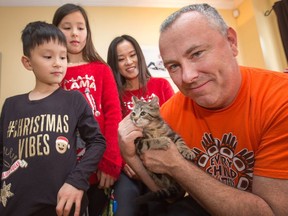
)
(156, 135)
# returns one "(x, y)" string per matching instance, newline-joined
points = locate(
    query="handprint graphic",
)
(220, 160)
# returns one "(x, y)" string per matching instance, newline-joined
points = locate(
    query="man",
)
(234, 119)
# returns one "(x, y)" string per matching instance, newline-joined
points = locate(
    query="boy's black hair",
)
(39, 32)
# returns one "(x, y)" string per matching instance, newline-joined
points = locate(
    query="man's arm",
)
(274, 192)
(128, 132)
(269, 196)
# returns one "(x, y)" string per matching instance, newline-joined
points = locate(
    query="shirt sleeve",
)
(95, 145)
(112, 160)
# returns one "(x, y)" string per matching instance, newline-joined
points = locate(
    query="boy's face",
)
(48, 61)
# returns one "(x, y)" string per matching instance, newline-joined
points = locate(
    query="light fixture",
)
(236, 13)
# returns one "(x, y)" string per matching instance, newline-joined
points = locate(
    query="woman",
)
(133, 78)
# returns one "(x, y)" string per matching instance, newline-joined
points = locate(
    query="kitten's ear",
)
(134, 99)
(155, 99)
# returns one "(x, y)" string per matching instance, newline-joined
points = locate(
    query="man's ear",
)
(232, 38)
(26, 63)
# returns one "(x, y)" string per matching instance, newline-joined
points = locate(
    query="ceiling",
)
(219, 4)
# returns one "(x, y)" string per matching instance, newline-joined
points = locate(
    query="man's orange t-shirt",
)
(248, 137)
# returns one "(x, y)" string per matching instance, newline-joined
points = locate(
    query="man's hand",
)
(162, 161)
(127, 133)
(105, 180)
(67, 196)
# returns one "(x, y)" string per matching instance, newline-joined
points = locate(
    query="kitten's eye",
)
(142, 113)
(132, 114)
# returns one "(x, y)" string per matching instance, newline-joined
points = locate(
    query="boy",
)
(40, 173)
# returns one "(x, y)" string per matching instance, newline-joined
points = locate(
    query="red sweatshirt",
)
(155, 86)
(95, 80)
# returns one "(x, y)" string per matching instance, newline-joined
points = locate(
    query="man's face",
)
(201, 61)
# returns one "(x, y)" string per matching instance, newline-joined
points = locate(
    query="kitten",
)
(156, 135)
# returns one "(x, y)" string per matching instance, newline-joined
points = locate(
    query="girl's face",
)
(127, 60)
(74, 28)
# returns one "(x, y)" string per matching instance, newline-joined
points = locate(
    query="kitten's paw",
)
(189, 155)
(164, 143)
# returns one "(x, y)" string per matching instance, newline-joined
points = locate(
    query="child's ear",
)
(26, 63)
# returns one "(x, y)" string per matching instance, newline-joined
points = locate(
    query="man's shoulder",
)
(175, 102)
(265, 87)
(261, 72)
(264, 80)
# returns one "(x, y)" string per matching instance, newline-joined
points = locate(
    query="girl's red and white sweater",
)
(95, 80)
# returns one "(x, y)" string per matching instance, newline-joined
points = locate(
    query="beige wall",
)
(108, 22)
(259, 36)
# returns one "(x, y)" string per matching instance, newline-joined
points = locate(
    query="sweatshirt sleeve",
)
(95, 145)
(112, 160)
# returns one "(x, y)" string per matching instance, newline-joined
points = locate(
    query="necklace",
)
(76, 63)
(136, 92)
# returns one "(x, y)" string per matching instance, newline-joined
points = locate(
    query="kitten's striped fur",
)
(156, 133)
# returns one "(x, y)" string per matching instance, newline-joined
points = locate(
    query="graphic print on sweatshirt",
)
(222, 162)
(87, 85)
(147, 98)
(31, 137)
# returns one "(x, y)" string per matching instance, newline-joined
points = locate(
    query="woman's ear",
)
(232, 38)
(26, 63)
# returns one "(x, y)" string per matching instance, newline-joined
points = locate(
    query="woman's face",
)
(127, 60)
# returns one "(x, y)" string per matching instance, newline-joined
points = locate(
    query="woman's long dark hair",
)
(112, 60)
